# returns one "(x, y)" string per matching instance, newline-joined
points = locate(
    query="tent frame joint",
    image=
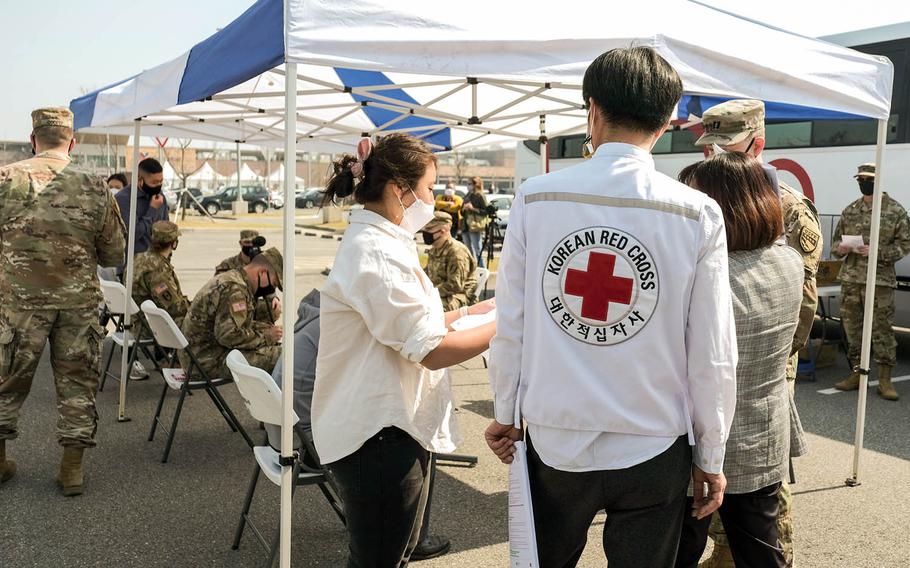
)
(289, 461)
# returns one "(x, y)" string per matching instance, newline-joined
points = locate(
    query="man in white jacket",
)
(615, 332)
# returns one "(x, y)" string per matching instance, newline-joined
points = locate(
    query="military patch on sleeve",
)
(808, 239)
(160, 288)
(238, 307)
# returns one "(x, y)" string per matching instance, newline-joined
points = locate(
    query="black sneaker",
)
(431, 547)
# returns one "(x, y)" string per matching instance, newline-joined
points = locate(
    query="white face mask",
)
(417, 215)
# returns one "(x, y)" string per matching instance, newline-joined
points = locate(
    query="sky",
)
(55, 50)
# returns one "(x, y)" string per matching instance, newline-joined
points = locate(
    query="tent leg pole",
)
(289, 295)
(544, 145)
(128, 275)
(866, 352)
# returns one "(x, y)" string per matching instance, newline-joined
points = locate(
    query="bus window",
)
(573, 146)
(664, 144)
(850, 132)
(683, 141)
(788, 135)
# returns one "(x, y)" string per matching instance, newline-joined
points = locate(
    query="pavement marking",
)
(871, 384)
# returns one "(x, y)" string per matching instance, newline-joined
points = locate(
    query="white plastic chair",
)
(167, 334)
(482, 275)
(115, 300)
(262, 397)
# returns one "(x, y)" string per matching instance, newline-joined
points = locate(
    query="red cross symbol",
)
(598, 287)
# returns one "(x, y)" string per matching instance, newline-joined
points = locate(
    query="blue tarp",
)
(697, 104)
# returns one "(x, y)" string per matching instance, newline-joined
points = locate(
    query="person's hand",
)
(843, 249)
(469, 206)
(501, 438)
(863, 250)
(274, 334)
(276, 308)
(483, 307)
(705, 504)
(157, 201)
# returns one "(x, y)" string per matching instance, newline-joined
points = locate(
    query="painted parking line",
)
(871, 384)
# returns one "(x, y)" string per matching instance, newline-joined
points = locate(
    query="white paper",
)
(852, 241)
(472, 321)
(522, 535)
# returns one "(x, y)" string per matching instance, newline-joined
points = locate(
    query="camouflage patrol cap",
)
(52, 116)
(440, 218)
(865, 170)
(732, 122)
(274, 258)
(248, 234)
(165, 232)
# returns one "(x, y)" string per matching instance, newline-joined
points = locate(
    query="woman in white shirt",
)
(382, 399)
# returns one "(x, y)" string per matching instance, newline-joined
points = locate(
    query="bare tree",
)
(460, 165)
(184, 171)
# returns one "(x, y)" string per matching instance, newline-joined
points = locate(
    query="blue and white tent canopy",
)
(454, 78)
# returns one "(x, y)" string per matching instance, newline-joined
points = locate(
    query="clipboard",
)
(522, 534)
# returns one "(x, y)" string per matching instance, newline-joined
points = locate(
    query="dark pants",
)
(750, 520)
(644, 504)
(384, 491)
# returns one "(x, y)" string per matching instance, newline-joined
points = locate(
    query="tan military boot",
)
(70, 477)
(720, 558)
(885, 388)
(7, 467)
(851, 383)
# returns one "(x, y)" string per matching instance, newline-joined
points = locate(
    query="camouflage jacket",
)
(451, 268)
(803, 233)
(221, 319)
(230, 263)
(893, 240)
(156, 280)
(263, 310)
(57, 224)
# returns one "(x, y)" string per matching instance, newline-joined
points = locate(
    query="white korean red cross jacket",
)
(613, 306)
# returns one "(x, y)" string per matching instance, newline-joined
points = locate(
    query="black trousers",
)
(644, 504)
(750, 520)
(384, 492)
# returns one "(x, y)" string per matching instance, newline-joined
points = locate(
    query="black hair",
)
(397, 157)
(118, 177)
(150, 166)
(633, 87)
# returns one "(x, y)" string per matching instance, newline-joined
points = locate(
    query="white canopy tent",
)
(318, 70)
(204, 178)
(277, 176)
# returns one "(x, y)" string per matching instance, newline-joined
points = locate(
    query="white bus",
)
(817, 156)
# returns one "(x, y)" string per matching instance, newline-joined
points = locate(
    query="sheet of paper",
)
(852, 241)
(522, 536)
(472, 321)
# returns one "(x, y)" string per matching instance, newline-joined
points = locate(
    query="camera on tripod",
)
(491, 210)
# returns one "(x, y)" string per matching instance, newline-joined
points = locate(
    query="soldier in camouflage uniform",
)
(221, 317)
(739, 126)
(241, 259)
(267, 309)
(893, 245)
(451, 265)
(57, 224)
(155, 278)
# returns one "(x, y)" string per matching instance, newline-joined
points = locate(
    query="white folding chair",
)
(262, 398)
(115, 299)
(482, 275)
(168, 335)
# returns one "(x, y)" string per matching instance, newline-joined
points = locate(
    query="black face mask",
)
(267, 290)
(254, 248)
(866, 186)
(152, 191)
(428, 238)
